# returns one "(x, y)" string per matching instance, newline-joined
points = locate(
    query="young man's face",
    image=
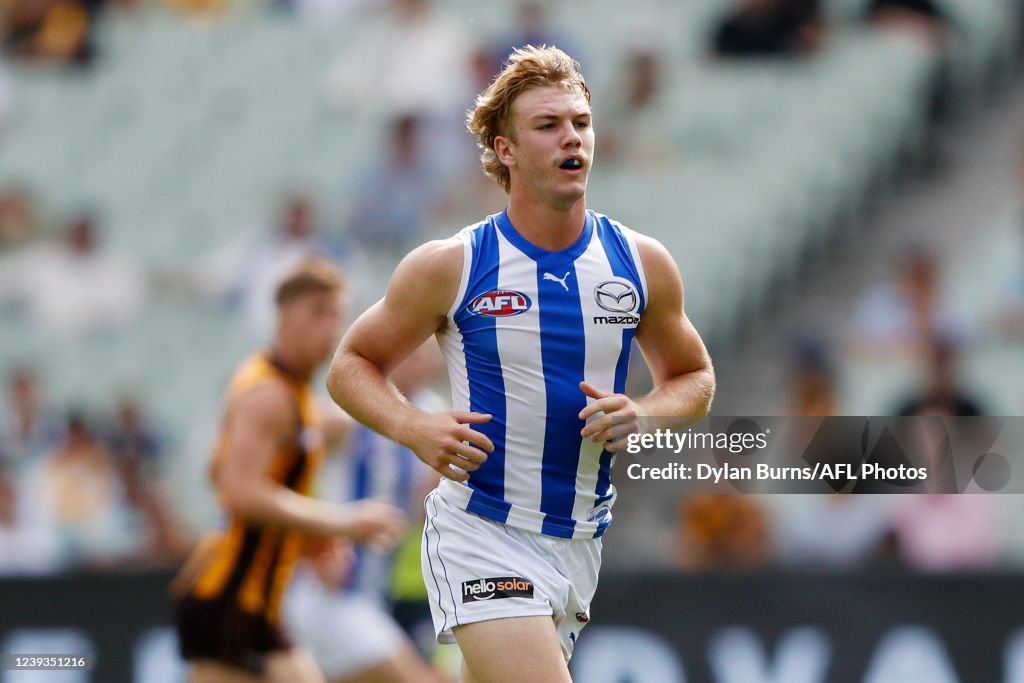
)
(553, 145)
(313, 322)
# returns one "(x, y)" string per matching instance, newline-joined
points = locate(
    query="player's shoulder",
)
(430, 275)
(267, 402)
(651, 251)
(444, 258)
(257, 372)
(436, 262)
(258, 369)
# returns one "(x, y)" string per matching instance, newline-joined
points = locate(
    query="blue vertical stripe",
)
(403, 486)
(486, 382)
(363, 450)
(361, 488)
(616, 248)
(563, 351)
(620, 257)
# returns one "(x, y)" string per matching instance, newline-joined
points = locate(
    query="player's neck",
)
(547, 227)
(289, 362)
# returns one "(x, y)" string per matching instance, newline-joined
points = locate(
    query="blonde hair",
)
(313, 274)
(528, 67)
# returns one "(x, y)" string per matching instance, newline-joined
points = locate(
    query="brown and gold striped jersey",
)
(250, 563)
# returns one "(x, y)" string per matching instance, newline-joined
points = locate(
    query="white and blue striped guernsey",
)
(526, 327)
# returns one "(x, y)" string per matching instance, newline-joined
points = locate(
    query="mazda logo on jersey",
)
(500, 302)
(496, 588)
(617, 296)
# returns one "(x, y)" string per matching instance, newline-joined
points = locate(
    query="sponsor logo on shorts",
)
(500, 303)
(582, 617)
(496, 588)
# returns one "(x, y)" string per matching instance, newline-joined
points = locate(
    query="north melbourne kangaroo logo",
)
(559, 280)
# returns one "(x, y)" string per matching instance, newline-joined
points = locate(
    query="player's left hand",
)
(617, 421)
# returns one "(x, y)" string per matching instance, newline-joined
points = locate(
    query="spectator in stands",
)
(941, 393)
(948, 532)
(633, 132)
(244, 273)
(901, 319)
(396, 200)
(938, 532)
(813, 380)
(73, 287)
(19, 220)
(80, 482)
(841, 532)
(770, 28)
(135, 445)
(413, 60)
(27, 430)
(923, 19)
(48, 31)
(722, 531)
(27, 542)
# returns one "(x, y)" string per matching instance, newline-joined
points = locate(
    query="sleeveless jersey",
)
(251, 564)
(527, 326)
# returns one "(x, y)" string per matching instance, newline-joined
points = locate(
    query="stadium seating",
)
(184, 135)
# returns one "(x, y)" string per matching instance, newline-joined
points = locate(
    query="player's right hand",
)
(447, 443)
(333, 560)
(373, 522)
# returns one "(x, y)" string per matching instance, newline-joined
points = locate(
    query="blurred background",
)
(841, 182)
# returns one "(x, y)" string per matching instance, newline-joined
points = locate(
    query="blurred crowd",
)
(84, 486)
(81, 489)
(912, 320)
(930, 533)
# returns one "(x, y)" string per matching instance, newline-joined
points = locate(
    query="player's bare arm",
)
(422, 290)
(684, 379)
(263, 420)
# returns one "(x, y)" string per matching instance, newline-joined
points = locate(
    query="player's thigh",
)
(405, 666)
(513, 650)
(293, 666)
(215, 672)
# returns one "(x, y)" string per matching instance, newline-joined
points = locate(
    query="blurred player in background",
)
(346, 627)
(535, 310)
(270, 448)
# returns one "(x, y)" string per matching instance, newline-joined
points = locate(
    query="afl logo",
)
(617, 296)
(500, 303)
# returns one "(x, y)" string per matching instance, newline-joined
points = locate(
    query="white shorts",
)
(346, 632)
(478, 570)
